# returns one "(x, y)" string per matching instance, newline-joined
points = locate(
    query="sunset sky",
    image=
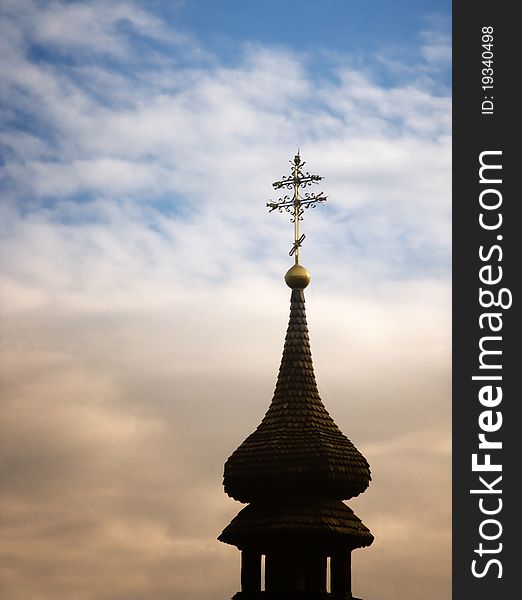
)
(143, 307)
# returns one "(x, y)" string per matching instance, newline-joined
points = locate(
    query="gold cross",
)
(296, 204)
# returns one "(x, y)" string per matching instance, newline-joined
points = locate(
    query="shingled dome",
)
(325, 523)
(297, 448)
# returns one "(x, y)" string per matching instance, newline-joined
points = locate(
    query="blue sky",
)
(333, 26)
(142, 278)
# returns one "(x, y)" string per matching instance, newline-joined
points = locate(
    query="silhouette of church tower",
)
(297, 467)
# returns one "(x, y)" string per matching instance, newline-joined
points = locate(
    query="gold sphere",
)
(297, 277)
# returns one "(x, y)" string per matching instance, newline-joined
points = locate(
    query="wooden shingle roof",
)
(297, 449)
(328, 523)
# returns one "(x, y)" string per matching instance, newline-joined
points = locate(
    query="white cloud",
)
(93, 27)
(436, 48)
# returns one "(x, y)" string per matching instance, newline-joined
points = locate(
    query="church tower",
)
(297, 467)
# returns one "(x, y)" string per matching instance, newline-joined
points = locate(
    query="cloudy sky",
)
(143, 308)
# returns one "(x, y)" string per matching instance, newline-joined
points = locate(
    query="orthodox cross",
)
(296, 204)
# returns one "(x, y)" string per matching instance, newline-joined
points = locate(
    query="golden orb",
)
(297, 277)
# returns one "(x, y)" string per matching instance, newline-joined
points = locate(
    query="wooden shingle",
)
(328, 523)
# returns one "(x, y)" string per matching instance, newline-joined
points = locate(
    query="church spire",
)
(297, 467)
(297, 448)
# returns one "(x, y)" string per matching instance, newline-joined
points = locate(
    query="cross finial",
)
(296, 204)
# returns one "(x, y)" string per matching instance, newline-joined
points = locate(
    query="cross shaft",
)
(296, 204)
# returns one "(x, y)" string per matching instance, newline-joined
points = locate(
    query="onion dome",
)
(297, 450)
